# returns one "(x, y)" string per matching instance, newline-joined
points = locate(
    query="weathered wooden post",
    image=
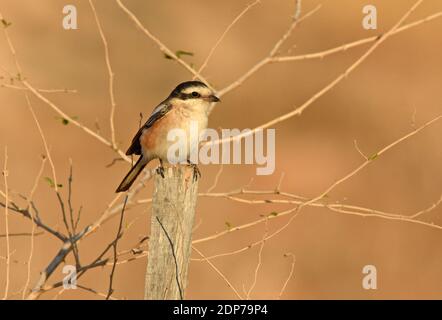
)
(170, 242)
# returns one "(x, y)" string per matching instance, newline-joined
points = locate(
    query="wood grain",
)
(172, 219)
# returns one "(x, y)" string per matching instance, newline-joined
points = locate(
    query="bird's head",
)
(193, 94)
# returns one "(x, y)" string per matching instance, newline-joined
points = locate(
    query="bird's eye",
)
(195, 94)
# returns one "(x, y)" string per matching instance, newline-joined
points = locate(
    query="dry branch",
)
(8, 250)
(172, 220)
(111, 76)
(163, 48)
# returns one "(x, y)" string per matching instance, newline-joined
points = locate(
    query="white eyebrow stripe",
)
(201, 90)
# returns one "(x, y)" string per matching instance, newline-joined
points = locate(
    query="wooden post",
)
(170, 242)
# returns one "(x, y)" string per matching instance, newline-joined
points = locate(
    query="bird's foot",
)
(196, 171)
(160, 170)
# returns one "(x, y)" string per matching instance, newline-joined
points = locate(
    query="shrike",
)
(190, 101)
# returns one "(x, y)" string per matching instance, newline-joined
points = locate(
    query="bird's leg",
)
(160, 169)
(196, 171)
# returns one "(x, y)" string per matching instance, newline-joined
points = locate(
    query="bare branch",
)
(58, 259)
(26, 212)
(292, 269)
(218, 175)
(114, 245)
(298, 111)
(163, 48)
(320, 54)
(238, 17)
(298, 10)
(8, 249)
(370, 159)
(430, 208)
(111, 76)
(10, 86)
(261, 248)
(219, 272)
(31, 251)
(45, 144)
(269, 57)
(336, 207)
(73, 121)
(289, 31)
(21, 234)
(100, 294)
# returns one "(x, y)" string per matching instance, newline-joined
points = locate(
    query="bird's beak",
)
(213, 98)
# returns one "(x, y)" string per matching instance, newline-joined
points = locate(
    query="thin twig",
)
(27, 212)
(52, 266)
(298, 10)
(31, 251)
(219, 272)
(297, 209)
(96, 292)
(330, 188)
(11, 48)
(8, 250)
(11, 86)
(218, 175)
(355, 171)
(45, 144)
(221, 38)
(70, 229)
(115, 242)
(111, 76)
(292, 269)
(320, 54)
(297, 200)
(434, 205)
(74, 121)
(163, 48)
(258, 265)
(177, 274)
(22, 234)
(266, 60)
(359, 150)
(293, 25)
(298, 111)
(370, 159)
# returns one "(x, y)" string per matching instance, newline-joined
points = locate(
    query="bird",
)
(189, 101)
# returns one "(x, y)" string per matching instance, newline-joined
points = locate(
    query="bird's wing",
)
(157, 113)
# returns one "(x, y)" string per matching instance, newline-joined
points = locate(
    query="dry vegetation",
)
(246, 244)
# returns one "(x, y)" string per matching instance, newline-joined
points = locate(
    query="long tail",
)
(132, 175)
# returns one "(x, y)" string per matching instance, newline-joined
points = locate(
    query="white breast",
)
(183, 118)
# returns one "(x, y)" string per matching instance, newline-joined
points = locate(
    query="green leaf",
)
(229, 225)
(168, 56)
(6, 23)
(65, 121)
(51, 183)
(179, 54)
(274, 213)
(372, 157)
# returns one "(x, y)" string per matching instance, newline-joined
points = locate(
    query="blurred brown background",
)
(374, 106)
